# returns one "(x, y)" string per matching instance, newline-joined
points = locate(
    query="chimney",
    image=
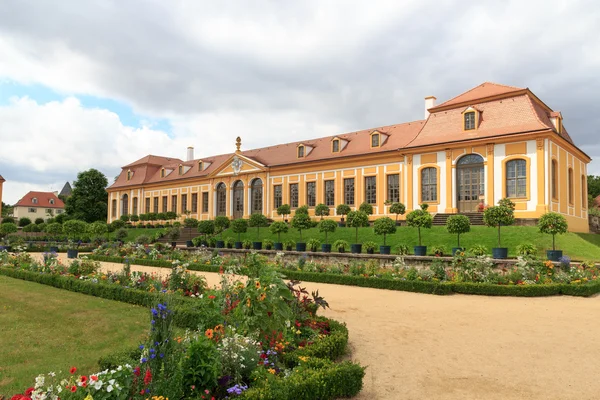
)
(190, 153)
(429, 103)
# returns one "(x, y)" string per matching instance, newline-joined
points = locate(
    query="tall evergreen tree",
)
(88, 201)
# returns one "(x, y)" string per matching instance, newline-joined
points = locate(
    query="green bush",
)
(366, 208)
(257, 220)
(327, 226)
(384, 226)
(289, 244)
(321, 210)
(117, 224)
(268, 244)
(201, 365)
(221, 223)
(190, 223)
(121, 234)
(284, 210)
(24, 221)
(419, 218)
(498, 216)
(247, 244)
(398, 209)
(142, 239)
(313, 244)
(357, 219)
(206, 227)
(302, 210)
(239, 226)
(277, 228)
(553, 224)
(39, 221)
(526, 249)
(370, 246)
(340, 246)
(7, 229)
(343, 210)
(458, 224)
(478, 250)
(301, 221)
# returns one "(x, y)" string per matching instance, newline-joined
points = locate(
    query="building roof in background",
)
(2, 179)
(66, 190)
(40, 199)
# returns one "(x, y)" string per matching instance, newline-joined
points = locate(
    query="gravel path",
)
(420, 346)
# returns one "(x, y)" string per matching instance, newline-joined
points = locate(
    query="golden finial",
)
(238, 143)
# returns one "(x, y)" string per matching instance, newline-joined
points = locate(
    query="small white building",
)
(39, 205)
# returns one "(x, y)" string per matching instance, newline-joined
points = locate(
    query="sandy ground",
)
(419, 346)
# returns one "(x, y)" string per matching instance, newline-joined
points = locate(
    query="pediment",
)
(238, 165)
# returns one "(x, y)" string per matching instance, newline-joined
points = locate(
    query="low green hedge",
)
(440, 288)
(330, 347)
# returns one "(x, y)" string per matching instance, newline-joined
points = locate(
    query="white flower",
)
(59, 389)
(109, 388)
(111, 382)
(39, 381)
(98, 385)
(52, 374)
(119, 368)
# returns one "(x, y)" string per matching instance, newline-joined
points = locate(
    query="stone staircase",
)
(475, 218)
(186, 234)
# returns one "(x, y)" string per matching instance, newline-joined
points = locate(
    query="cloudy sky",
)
(101, 83)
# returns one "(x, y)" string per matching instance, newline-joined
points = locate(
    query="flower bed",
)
(463, 273)
(258, 338)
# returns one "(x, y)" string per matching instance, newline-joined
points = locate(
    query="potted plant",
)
(384, 226)
(205, 228)
(257, 220)
(54, 229)
(277, 228)
(289, 245)
(247, 244)
(343, 210)
(366, 208)
(325, 227)
(5, 230)
(340, 246)
(398, 209)
(221, 223)
(284, 210)
(239, 226)
(438, 251)
(74, 229)
(313, 244)
(268, 244)
(553, 224)
(174, 234)
(497, 216)
(321, 210)
(370, 247)
(357, 219)
(301, 221)
(420, 218)
(457, 224)
(229, 242)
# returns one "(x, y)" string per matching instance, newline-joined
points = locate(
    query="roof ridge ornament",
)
(238, 144)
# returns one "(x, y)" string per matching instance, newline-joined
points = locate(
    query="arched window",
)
(335, 146)
(180, 169)
(221, 199)
(257, 195)
(469, 120)
(570, 183)
(200, 166)
(470, 159)
(301, 151)
(375, 140)
(583, 192)
(128, 175)
(135, 206)
(162, 173)
(125, 205)
(238, 199)
(429, 184)
(516, 178)
(554, 178)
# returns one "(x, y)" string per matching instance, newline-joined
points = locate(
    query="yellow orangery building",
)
(491, 142)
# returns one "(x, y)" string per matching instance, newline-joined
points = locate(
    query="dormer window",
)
(469, 120)
(301, 151)
(335, 146)
(162, 173)
(200, 166)
(51, 201)
(180, 169)
(34, 200)
(129, 174)
(375, 139)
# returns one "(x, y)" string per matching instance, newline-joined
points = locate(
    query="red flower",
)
(29, 391)
(94, 378)
(148, 377)
(84, 384)
(83, 379)
(136, 371)
(73, 388)
(212, 297)
(73, 370)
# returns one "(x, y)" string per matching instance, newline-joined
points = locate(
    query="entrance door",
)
(238, 200)
(470, 182)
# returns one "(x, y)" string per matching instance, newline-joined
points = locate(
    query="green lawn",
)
(44, 329)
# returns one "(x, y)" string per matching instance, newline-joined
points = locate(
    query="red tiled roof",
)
(486, 89)
(2, 179)
(43, 200)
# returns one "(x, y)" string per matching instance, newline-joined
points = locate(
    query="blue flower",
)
(152, 355)
(141, 347)
(144, 360)
(154, 312)
(161, 355)
(152, 351)
(153, 322)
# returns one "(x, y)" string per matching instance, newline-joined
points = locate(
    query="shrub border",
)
(439, 288)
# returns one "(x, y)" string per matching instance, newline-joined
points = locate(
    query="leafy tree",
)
(593, 183)
(74, 228)
(366, 208)
(327, 226)
(39, 221)
(88, 201)
(553, 224)
(7, 229)
(284, 210)
(497, 216)
(277, 228)
(301, 221)
(221, 223)
(117, 224)
(190, 223)
(506, 202)
(258, 220)
(357, 219)
(321, 210)
(343, 210)
(124, 218)
(419, 218)
(239, 226)
(8, 220)
(24, 221)
(458, 224)
(134, 218)
(171, 215)
(6, 210)
(61, 218)
(121, 234)
(302, 210)
(98, 228)
(54, 229)
(384, 226)
(398, 209)
(206, 227)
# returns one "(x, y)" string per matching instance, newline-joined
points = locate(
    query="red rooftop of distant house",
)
(40, 199)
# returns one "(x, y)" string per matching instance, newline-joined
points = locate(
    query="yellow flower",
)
(257, 284)
(248, 303)
(271, 370)
(303, 358)
(209, 333)
(262, 296)
(298, 332)
(88, 397)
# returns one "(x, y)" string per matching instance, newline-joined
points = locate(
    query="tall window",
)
(311, 194)
(174, 203)
(393, 188)
(162, 173)
(257, 195)
(181, 170)
(516, 178)
(335, 146)
(129, 175)
(469, 120)
(204, 202)
(147, 206)
(554, 173)
(375, 140)
(330, 193)
(300, 151)
(200, 166)
(570, 183)
(113, 210)
(125, 205)
(583, 192)
(194, 203)
(135, 206)
(184, 203)
(349, 191)
(221, 199)
(164, 204)
(371, 189)
(293, 195)
(428, 184)
(277, 196)
(156, 205)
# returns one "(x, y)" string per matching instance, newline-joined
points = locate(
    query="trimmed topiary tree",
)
(398, 209)
(239, 226)
(553, 224)
(206, 227)
(357, 219)
(497, 216)
(343, 210)
(327, 226)
(190, 223)
(6, 229)
(384, 226)
(24, 221)
(221, 223)
(277, 228)
(258, 220)
(321, 210)
(420, 218)
(284, 210)
(301, 221)
(366, 208)
(39, 221)
(458, 224)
